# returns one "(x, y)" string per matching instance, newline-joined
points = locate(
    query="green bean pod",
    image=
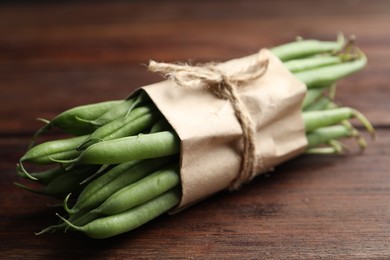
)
(142, 146)
(44, 153)
(69, 120)
(317, 119)
(160, 126)
(120, 110)
(62, 185)
(116, 178)
(304, 48)
(311, 63)
(321, 104)
(325, 134)
(132, 195)
(312, 95)
(141, 191)
(138, 120)
(325, 76)
(43, 177)
(123, 222)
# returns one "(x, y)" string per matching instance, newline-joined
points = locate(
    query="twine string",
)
(224, 86)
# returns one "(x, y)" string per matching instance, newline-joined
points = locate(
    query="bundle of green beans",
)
(120, 167)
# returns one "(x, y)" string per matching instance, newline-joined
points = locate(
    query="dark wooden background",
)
(54, 56)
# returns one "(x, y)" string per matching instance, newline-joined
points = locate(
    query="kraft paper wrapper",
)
(211, 137)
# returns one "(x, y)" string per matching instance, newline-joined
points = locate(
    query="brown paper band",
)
(224, 86)
(210, 135)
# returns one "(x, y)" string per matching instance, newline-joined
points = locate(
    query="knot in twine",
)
(224, 86)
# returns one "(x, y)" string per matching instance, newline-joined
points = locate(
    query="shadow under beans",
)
(261, 198)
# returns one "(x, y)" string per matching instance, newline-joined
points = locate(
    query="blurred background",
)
(58, 54)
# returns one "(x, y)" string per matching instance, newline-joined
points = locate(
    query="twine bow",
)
(223, 86)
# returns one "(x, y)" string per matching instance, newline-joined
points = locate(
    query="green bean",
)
(311, 63)
(123, 222)
(49, 152)
(118, 177)
(44, 153)
(325, 150)
(138, 120)
(331, 105)
(311, 96)
(63, 184)
(304, 48)
(120, 110)
(160, 126)
(321, 104)
(141, 191)
(325, 134)
(317, 119)
(91, 192)
(323, 76)
(69, 121)
(80, 218)
(45, 176)
(359, 139)
(132, 195)
(142, 146)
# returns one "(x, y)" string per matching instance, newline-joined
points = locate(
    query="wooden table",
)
(54, 56)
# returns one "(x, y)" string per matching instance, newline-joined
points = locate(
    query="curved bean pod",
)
(311, 63)
(137, 121)
(160, 126)
(69, 121)
(116, 178)
(325, 134)
(320, 104)
(311, 96)
(120, 110)
(141, 191)
(142, 146)
(63, 184)
(317, 119)
(304, 48)
(325, 76)
(43, 177)
(44, 153)
(123, 222)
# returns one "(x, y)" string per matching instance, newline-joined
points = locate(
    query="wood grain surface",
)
(56, 55)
